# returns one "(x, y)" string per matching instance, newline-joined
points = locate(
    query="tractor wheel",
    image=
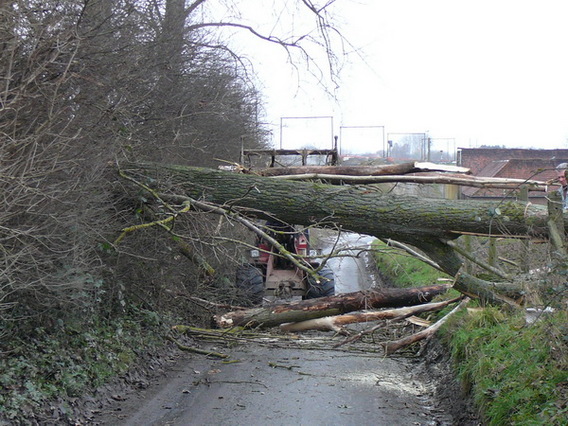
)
(324, 288)
(250, 281)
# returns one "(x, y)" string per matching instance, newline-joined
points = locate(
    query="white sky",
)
(480, 72)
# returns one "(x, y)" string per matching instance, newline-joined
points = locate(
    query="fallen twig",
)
(359, 335)
(287, 367)
(208, 304)
(196, 350)
(234, 334)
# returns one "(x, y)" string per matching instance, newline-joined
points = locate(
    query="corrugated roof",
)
(490, 170)
(517, 168)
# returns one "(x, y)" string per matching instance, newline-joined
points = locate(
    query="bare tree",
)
(86, 82)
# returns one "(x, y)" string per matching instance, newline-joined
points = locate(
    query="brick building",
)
(534, 164)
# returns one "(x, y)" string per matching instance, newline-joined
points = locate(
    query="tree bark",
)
(273, 315)
(359, 209)
(334, 323)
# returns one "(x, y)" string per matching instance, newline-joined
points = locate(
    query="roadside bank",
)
(516, 372)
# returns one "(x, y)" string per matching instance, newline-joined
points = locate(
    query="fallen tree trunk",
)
(359, 209)
(273, 315)
(334, 323)
(387, 169)
(423, 223)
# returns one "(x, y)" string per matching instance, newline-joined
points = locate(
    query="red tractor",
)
(268, 273)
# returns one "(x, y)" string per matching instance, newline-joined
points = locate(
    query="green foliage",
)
(517, 373)
(70, 360)
(403, 269)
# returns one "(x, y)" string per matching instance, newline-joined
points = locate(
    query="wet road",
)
(300, 383)
(270, 386)
(354, 272)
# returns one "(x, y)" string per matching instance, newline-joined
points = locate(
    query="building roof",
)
(477, 158)
(515, 168)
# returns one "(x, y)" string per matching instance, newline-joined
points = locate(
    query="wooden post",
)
(556, 227)
(492, 259)
(467, 244)
(451, 192)
(525, 250)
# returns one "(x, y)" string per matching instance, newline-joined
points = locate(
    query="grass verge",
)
(516, 373)
(402, 269)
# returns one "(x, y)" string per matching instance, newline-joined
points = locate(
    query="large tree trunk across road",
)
(361, 209)
(422, 222)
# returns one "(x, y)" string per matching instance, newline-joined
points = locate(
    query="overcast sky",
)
(480, 72)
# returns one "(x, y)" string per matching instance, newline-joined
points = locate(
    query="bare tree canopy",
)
(87, 82)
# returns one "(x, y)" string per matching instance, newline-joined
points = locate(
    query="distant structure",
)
(534, 164)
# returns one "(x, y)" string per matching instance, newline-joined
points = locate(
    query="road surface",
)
(305, 382)
(269, 386)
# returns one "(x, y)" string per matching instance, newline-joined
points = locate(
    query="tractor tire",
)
(250, 282)
(324, 288)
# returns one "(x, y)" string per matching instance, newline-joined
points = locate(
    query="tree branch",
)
(478, 261)
(392, 347)
(413, 253)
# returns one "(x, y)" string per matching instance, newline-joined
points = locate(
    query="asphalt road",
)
(353, 272)
(301, 383)
(269, 386)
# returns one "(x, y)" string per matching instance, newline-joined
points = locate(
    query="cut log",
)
(389, 169)
(392, 347)
(332, 170)
(274, 315)
(335, 322)
(383, 170)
